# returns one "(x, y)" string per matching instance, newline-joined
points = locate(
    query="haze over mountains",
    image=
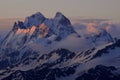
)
(7, 23)
(41, 48)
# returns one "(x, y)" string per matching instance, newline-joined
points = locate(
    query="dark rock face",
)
(15, 58)
(41, 74)
(34, 20)
(46, 70)
(100, 72)
(61, 19)
(106, 49)
(17, 76)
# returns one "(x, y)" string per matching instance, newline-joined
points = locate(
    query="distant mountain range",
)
(41, 48)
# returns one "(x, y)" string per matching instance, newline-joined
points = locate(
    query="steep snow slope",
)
(62, 64)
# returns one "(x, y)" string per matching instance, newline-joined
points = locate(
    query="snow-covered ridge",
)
(65, 63)
(59, 25)
(37, 27)
(38, 18)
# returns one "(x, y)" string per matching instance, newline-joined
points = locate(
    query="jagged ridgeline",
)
(59, 26)
(37, 26)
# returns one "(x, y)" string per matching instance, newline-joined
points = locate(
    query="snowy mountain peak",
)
(98, 33)
(19, 24)
(61, 19)
(15, 26)
(34, 20)
(36, 27)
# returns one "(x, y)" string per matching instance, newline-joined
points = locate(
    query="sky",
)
(100, 9)
(73, 8)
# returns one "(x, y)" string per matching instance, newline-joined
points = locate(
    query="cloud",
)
(87, 20)
(93, 28)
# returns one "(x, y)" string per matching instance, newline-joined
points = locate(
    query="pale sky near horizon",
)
(16, 9)
(73, 8)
